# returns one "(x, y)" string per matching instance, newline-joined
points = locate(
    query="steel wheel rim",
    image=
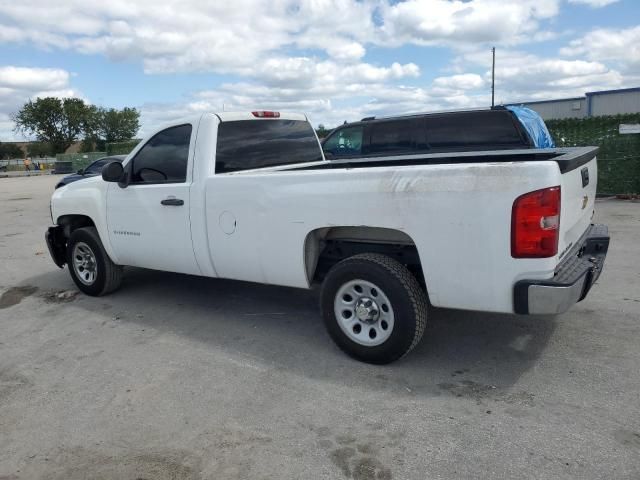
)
(364, 322)
(84, 263)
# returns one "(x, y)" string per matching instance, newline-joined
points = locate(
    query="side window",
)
(96, 167)
(347, 141)
(391, 137)
(164, 158)
(472, 130)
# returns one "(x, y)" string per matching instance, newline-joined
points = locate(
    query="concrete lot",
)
(177, 377)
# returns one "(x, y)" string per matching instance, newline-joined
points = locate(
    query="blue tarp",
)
(534, 125)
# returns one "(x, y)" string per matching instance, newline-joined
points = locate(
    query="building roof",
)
(587, 94)
(619, 90)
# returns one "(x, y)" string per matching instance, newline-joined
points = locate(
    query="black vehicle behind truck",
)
(92, 170)
(475, 130)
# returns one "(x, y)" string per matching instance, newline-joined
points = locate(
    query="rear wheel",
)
(89, 264)
(373, 308)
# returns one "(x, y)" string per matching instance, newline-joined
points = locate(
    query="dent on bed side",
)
(489, 177)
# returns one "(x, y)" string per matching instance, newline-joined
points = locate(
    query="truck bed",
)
(568, 158)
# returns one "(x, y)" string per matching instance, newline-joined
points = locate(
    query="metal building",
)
(593, 104)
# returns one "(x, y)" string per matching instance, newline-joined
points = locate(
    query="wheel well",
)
(73, 222)
(324, 247)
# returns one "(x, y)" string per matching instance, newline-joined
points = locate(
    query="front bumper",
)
(572, 280)
(57, 244)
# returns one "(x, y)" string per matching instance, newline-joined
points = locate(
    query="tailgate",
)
(577, 202)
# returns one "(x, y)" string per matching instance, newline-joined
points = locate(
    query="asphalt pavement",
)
(180, 377)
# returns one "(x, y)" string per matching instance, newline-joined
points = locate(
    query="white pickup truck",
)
(249, 196)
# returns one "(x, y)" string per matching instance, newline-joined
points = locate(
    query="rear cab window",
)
(249, 144)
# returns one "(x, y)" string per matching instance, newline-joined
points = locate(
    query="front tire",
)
(89, 264)
(373, 308)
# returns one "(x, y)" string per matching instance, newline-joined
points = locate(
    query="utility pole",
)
(493, 76)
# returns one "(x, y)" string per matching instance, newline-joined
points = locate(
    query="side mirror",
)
(112, 172)
(80, 172)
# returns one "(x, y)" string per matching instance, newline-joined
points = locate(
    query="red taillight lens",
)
(535, 224)
(266, 114)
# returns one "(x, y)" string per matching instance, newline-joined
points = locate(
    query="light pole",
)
(493, 76)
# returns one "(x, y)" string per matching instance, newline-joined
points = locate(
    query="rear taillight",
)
(266, 114)
(535, 224)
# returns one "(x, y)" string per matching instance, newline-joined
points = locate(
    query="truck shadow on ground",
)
(463, 354)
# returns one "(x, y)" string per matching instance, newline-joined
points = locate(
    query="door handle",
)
(176, 202)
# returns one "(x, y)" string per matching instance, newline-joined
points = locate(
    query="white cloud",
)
(620, 46)
(594, 3)
(466, 81)
(22, 78)
(521, 76)
(192, 35)
(443, 22)
(19, 84)
(312, 55)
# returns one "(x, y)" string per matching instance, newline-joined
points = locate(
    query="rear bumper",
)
(57, 244)
(572, 280)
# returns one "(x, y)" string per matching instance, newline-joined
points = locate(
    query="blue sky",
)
(332, 59)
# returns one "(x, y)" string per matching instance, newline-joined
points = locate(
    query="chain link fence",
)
(80, 160)
(121, 148)
(619, 156)
(37, 164)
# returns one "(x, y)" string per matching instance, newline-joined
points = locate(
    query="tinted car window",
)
(96, 167)
(395, 136)
(346, 141)
(247, 144)
(471, 130)
(164, 158)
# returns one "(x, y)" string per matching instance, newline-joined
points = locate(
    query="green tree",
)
(38, 149)
(119, 125)
(62, 122)
(322, 131)
(58, 122)
(10, 150)
(91, 126)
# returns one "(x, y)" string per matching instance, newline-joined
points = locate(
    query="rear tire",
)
(89, 264)
(373, 308)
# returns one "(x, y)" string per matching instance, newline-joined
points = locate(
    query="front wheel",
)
(89, 264)
(373, 308)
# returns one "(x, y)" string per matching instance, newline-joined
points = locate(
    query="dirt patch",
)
(356, 460)
(11, 382)
(627, 438)
(481, 392)
(82, 464)
(61, 296)
(15, 295)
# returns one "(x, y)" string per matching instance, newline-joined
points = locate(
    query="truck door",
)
(148, 220)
